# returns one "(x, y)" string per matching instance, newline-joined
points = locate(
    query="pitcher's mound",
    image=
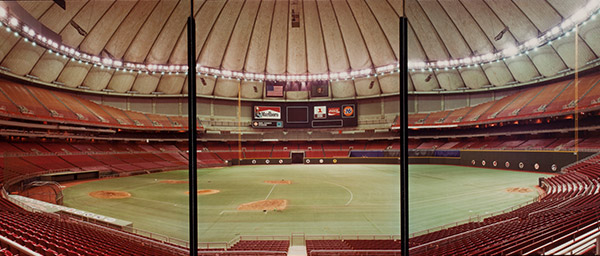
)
(519, 190)
(264, 205)
(105, 194)
(205, 191)
(278, 181)
(174, 181)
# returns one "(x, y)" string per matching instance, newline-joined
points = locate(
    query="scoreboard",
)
(330, 114)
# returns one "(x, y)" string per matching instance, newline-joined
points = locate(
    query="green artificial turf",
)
(322, 199)
(439, 194)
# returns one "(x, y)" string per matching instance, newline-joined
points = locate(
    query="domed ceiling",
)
(139, 47)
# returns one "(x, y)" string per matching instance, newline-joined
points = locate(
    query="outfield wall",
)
(537, 161)
(434, 160)
(522, 160)
(321, 160)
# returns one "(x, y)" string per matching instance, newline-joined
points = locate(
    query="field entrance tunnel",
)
(297, 157)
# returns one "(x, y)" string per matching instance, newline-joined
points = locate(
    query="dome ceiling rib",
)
(300, 37)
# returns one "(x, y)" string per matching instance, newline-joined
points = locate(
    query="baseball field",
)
(309, 199)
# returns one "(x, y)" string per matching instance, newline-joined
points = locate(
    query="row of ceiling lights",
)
(588, 12)
(13, 25)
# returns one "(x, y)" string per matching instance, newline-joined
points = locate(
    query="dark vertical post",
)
(597, 245)
(192, 175)
(404, 136)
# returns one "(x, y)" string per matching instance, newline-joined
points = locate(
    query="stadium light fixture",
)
(13, 21)
(537, 77)
(58, 83)
(510, 51)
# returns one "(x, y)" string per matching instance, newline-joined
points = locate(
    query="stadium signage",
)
(333, 112)
(267, 112)
(320, 112)
(267, 124)
(348, 111)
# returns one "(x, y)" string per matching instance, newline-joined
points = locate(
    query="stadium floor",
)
(321, 199)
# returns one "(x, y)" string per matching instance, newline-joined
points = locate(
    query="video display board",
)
(330, 114)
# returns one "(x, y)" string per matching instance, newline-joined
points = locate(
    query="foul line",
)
(236, 211)
(351, 195)
(155, 201)
(270, 191)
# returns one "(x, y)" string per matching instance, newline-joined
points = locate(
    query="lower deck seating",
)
(51, 235)
(506, 143)
(261, 245)
(568, 210)
(101, 157)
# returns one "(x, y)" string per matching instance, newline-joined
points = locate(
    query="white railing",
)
(352, 237)
(22, 249)
(242, 252)
(263, 237)
(355, 252)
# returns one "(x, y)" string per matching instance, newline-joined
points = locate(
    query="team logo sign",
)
(507, 164)
(554, 167)
(320, 112)
(495, 163)
(483, 162)
(267, 112)
(521, 165)
(348, 111)
(536, 166)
